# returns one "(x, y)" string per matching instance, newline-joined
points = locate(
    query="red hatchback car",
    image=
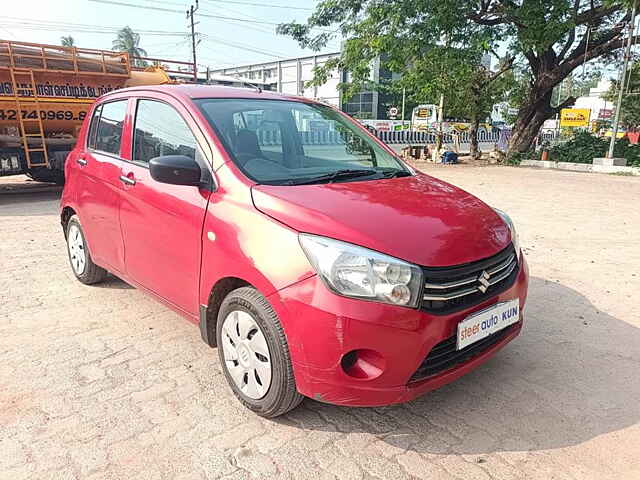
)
(318, 262)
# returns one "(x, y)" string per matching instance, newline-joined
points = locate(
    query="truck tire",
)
(79, 257)
(254, 354)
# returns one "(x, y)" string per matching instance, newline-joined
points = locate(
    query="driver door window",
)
(159, 131)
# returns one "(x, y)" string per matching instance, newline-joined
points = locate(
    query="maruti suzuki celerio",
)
(317, 262)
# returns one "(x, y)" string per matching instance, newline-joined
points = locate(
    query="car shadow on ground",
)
(571, 376)
(113, 282)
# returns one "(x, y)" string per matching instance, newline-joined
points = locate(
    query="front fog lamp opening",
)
(363, 364)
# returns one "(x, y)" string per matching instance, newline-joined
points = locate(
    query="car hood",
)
(419, 219)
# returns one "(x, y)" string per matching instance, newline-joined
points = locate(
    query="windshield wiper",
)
(396, 173)
(337, 175)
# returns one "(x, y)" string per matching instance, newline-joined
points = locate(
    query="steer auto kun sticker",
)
(485, 323)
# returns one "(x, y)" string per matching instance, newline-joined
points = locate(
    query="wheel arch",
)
(65, 216)
(209, 312)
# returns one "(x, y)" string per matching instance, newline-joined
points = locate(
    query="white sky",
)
(243, 42)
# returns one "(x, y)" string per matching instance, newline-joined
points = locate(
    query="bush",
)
(584, 147)
(631, 153)
(515, 158)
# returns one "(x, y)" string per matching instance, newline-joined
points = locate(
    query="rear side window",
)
(159, 131)
(93, 129)
(109, 130)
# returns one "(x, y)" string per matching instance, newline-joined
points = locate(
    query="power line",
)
(209, 38)
(265, 5)
(66, 30)
(159, 9)
(256, 28)
(219, 17)
(44, 25)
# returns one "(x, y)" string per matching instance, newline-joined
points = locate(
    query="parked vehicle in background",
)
(327, 269)
(45, 92)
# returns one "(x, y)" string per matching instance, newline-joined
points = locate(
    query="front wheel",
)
(81, 263)
(254, 354)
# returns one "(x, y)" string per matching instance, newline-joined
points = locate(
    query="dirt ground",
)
(104, 382)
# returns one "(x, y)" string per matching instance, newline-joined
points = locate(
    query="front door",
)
(161, 223)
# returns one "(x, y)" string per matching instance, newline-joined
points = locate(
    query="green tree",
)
(630, 113)
(129, 41)
(469, 88)
(551, 37)
(67, 41)
(485, 89)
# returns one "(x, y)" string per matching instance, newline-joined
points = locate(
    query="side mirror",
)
(175, 170)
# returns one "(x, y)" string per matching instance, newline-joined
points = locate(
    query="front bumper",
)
(322, 327)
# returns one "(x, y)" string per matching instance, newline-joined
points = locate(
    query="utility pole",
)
(190, 13)
(623, 76)
(440, 136)
(404, 93)
(559, 114)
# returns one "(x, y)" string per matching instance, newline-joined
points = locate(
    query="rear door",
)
(161, 223)
(98, 197)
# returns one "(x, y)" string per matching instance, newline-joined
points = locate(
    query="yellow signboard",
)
(575, 117)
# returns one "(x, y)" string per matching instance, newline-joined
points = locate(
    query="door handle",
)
(127, 180)
(81, 161)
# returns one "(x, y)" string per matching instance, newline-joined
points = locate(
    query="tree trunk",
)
(530, 119)
(473, 138)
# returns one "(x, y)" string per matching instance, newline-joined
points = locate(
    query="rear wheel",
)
(254, 354)
(81, 263)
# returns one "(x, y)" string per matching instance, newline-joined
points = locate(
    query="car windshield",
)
(292, 143)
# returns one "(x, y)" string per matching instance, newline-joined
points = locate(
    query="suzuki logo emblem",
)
(483, 280)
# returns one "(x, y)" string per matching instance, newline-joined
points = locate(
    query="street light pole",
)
(623, 76)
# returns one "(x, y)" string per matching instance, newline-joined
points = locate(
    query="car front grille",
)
(450, 289)
(445, 356)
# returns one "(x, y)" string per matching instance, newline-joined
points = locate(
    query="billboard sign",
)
(605, 114)
(575, 117)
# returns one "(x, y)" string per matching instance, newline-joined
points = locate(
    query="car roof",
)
(213, 91)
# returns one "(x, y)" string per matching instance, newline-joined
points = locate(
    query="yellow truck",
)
(45, 93)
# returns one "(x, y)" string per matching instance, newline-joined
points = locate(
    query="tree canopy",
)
(67, 41)
(630, 111)
(549, 39)
(129, 41)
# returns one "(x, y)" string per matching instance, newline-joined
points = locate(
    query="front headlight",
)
(514, 235)
(358, 272)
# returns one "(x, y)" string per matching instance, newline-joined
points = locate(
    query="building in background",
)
(290, 76)
(600, 108)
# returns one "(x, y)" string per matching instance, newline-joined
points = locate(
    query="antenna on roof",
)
(252, 85)
(256, 87)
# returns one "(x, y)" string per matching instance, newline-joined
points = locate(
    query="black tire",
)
(90, 273)
(282, 395)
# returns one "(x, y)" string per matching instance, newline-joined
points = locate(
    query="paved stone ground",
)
(104, 382)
